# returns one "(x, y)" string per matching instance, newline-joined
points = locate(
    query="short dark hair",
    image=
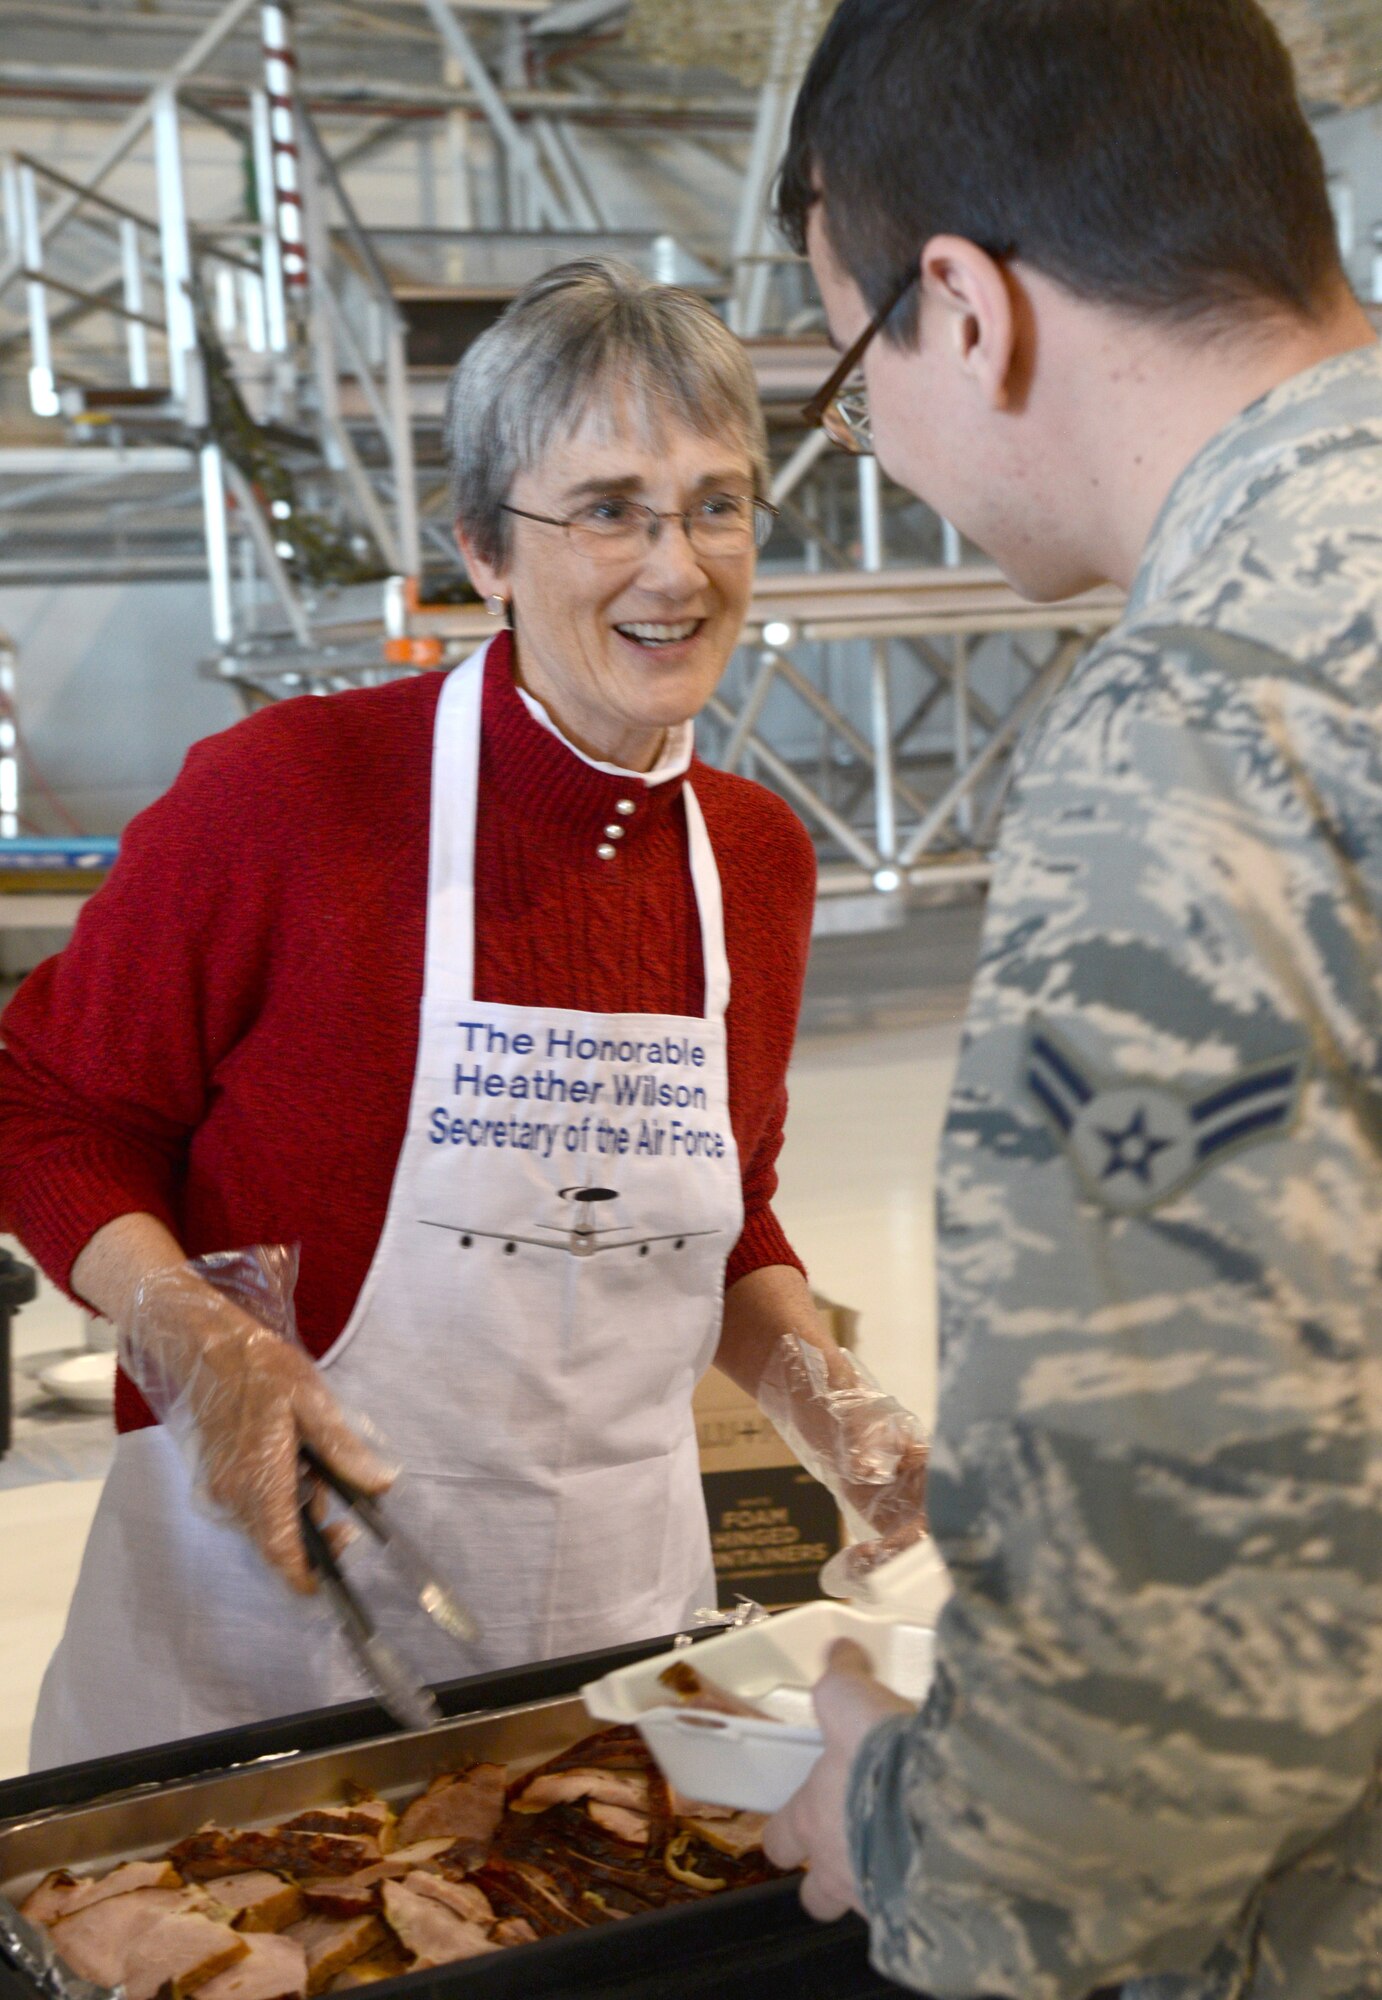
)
(1147, 154)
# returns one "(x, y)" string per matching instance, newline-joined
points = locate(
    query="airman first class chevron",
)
(1135, 1143)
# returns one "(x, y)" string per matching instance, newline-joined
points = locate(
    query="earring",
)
(496, 605)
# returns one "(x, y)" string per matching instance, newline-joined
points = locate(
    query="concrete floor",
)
(880, 1033)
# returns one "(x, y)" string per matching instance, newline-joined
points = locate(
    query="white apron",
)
(546, 1291)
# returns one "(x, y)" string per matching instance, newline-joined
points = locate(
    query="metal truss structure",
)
(251, 396)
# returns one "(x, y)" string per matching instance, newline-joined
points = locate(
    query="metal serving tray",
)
(95, 1815)
(143, 1823)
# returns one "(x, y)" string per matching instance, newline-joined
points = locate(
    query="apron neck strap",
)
(705, 877)
(451, 863)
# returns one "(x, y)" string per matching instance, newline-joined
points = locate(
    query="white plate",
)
(87, 1381)
(740, 1761)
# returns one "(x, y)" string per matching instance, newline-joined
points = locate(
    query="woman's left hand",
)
(861, 1443)
(811, 1831)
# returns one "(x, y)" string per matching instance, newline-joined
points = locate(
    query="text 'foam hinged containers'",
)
(772, 1526)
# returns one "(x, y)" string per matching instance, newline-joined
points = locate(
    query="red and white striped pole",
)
(280, 72)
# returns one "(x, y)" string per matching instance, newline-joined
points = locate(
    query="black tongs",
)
(401, 1694)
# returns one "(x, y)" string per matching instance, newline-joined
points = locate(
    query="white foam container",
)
(739, 1761)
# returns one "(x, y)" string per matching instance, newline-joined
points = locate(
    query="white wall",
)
(109, 693)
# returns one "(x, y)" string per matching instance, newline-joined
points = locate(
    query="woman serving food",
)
(481, 988)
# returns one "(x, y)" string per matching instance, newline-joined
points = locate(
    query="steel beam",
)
(1032, 702)
(370, 97)
(176, 247)
(840, 724)
(258, 529)
(747, 719)
(751, 244)
(97, 462)
(217, 543)
(797, 788)
(550, 211)
(807, 455)
(575, 191)
(43, 392)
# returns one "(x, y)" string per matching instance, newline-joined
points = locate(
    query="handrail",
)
(389, 409)
(85, 193)
(360, 242)
(95, 300)
(134, 126)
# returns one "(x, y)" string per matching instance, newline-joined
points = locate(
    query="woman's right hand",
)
(244, 1398)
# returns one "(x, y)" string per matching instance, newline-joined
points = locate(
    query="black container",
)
(735, 1946)
(18, 1287)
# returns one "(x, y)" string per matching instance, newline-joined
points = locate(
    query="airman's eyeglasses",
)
(841, 412)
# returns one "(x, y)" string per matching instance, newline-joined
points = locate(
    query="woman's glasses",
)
(613, 529)
(843, 412)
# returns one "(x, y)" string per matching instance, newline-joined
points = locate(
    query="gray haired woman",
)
(492, 1017)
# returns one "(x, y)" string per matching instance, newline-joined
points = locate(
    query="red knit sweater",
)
(228, 1042)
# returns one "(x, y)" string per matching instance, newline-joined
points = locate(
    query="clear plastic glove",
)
(862, 1444)
(212, 1347)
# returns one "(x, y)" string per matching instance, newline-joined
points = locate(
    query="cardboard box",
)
(771, 1524)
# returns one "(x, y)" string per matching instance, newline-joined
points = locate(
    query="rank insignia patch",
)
(1134, 1143)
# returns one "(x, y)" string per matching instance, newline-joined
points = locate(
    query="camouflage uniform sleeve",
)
(1158, 1704)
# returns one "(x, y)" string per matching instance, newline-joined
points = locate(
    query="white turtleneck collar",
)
(674, 760)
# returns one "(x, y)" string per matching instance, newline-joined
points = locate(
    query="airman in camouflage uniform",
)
(1084, 254)
(1153, 1739)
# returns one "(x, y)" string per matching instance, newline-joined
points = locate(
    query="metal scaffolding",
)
(252, 396)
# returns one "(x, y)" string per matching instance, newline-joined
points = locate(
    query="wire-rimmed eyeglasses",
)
(841, 412)
(615, 529)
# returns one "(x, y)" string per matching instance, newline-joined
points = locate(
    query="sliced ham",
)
(182, 1950)
(218, 1850)
(52, 1898)
(391, 1963)
(522, 1889)
(559, 1788)
(60, 1894)
(697, 1690)
(618, 1820)
(342, 1895)
(466, 1809)
(684, 1808)
(463, 1899)
(514, 1930)
(349, 1895)
(333, 1943)
(258, 1901)
(273, 1968)
(414, 1856)
(374, 1818)
(96, 1941)
(131, 1875)
(433, 1934)
(737, 1834)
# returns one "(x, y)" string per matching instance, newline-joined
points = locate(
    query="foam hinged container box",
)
(755, 1763)
(772, 1525)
